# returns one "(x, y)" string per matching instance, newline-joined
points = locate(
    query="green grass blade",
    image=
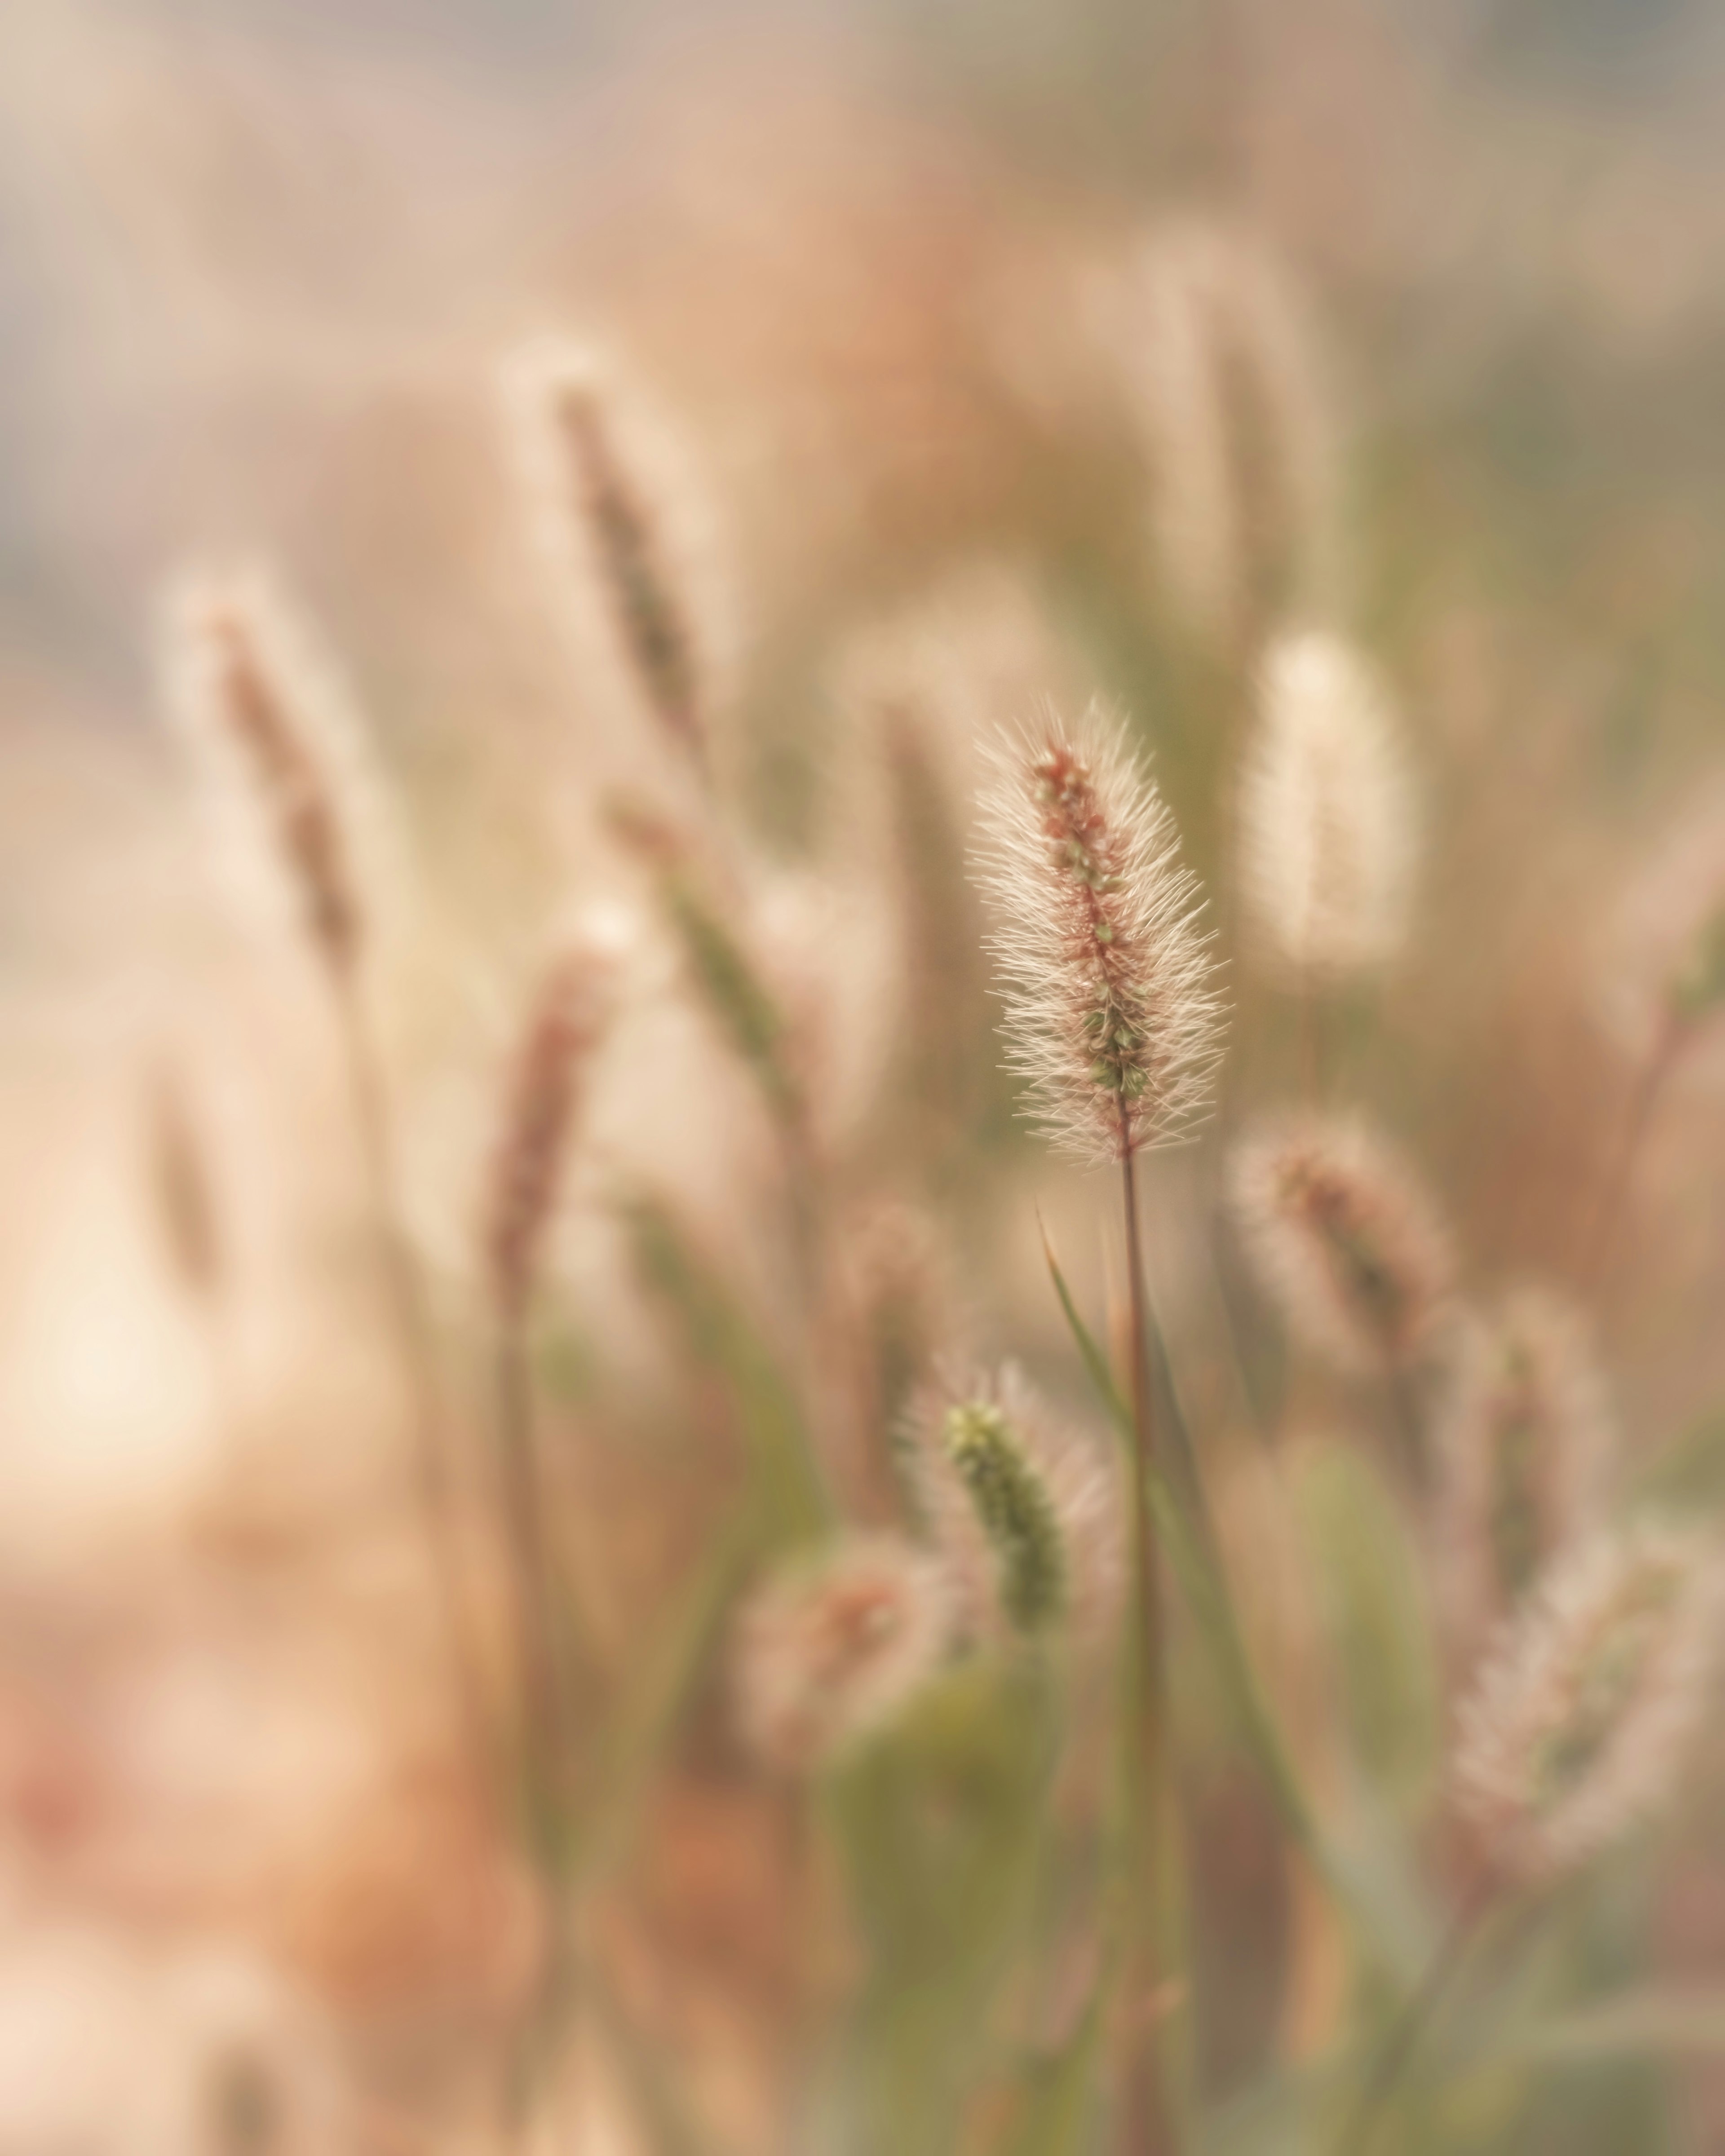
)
(1206, 1589)
(788, 1485)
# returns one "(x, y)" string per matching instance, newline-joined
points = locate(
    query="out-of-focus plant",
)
(978, 1660)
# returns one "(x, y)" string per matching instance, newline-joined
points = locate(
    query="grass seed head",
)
(1327, 826)
(1523, 1447)
(623, 524)
(269, 731)
(1579, 1726)
(1343, 1240)
(565, 1022)
(1113, 1019)
(833, 1646)
(1027, 1511)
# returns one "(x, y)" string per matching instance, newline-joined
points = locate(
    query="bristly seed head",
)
(1524, 1446)
(1226, 394)
(1578, 1727)
(261, 718)
(1344, 1240)
(1014, 1510)
(1111, 1015)
(565, 1023)
(619, 519)
(1026, 1510)
(833, 1646)
(1326, 827)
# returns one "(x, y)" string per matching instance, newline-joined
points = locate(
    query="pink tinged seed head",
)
(564, 1025)
(624, 526)
(1344, 1240)
(833, 1646)
(1112, 1017)
(1578, 1727)
(264, 719)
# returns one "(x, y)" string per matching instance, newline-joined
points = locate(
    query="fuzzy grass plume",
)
(1326, 836)
(269, 729)
(1225, 393)
(565, 1021)
(1579, 1727)
(1111, 1016)
(1343, 1240)
(622, 525)
(1523, 1445)
(833, 1645)
(1028, 1512)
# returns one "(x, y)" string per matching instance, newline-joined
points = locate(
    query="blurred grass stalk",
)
(1022, 1918)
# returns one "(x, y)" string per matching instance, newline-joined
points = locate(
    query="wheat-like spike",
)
(1523, 1445)
(1225, 388)
(833, 1646)
(720, 958)
(1579, 1726)
(565, 1021)
(1027, 1511)
(1343, 1240)
(182, 1182)
(1327, 819)
(1111, 1015)
(266, 720)
(622, 523)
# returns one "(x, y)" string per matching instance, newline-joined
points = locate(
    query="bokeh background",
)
(258, 261)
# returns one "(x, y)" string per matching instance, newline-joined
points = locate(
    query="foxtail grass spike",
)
(1344, 1241)
(565, 1022)
(1327, 835)
(1524, 1442)
(621, 521)
(1225, 389)
(265, 719)
(1027, 1511)
(835, 1645)
(1111, 1016)
(1579, 1725)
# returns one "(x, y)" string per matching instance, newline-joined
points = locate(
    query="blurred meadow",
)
(602, 1548)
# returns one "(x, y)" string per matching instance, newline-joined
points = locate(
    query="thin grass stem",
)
(411, 1319)
(1618, 1175)
(1146, 2117)
(533, 1572)
(1364, 2129)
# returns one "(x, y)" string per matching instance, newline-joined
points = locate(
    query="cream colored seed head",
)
(1224, 387)
(1327, 835)
(1523, 1445)
(1578, 1728)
